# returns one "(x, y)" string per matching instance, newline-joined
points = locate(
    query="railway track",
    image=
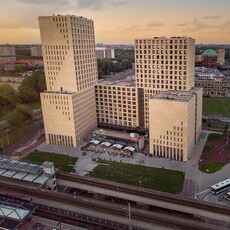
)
(146, 193)
(97, 210)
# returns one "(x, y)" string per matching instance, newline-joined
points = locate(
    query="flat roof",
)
(22, 170)
(12, 215)
(119, 80)
(175, 95)
(114, 133)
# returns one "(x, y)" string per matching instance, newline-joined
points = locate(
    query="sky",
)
(121, 21)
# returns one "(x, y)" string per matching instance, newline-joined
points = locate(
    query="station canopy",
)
(12, 215)
(22, 170)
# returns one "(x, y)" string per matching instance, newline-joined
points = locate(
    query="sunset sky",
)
(121, 21)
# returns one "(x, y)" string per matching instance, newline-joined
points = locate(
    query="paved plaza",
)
(195, 180)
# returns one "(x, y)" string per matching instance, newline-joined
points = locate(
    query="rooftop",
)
(22, 170)
(124, 79)
(210, 52)
(183, 96)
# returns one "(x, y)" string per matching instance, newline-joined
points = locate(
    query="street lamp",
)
(140, 181)
(227, 136)
(7, 137)
(2, 146)
(39, 134)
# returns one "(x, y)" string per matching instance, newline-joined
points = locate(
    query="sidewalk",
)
(195, 181)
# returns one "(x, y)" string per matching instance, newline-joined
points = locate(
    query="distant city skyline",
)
(122, 21)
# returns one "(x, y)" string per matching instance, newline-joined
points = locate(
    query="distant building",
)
(198, 58)
(209, 58)
(36, 51)
(31, 63)
(103, 52)
(7, 50)
(220, 56)
(212, 86)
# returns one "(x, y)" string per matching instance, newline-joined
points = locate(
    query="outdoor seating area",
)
(110, 147)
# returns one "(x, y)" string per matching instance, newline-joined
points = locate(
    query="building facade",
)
(36, 51)
(220, 56)
(75, 102)
(215, 87)
(104, 52)
(117, 104)
(68, 104)
(7, 50)
(163, 64)
(209, 58)
(175, 123)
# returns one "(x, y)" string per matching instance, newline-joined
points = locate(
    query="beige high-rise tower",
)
(163, 64)
(68, 104)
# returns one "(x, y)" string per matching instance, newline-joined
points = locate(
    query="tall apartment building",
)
(70, 109)
(68, 104)
(7, 50)
(220, 56)
(36, 51)
(163, 64)
(104, 52)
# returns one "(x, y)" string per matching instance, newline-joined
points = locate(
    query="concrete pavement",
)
(195, 180)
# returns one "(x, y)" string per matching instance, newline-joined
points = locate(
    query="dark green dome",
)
(209, 52)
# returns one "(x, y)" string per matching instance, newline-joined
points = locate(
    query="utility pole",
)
(129, 215)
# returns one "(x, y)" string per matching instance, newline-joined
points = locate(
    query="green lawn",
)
(148, 177)
(216, 106)
(215, 137)
(62, 162)
(211, 167)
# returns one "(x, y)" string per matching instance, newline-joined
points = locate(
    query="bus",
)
(228, 196)
(220, 187)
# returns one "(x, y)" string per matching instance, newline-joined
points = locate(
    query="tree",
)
(15, 118)
(30, 88)
(8, 97)
(26, 111)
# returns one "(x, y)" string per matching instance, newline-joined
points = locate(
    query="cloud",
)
(119, 3)
(44, 1)
(195, 20)
(155, 24)
(197, 25)
(182, 24)
(212, 17)
(99, 4)
(200, 26)
(225, 28)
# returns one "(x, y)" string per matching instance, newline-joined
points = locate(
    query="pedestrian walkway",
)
(195, 180)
